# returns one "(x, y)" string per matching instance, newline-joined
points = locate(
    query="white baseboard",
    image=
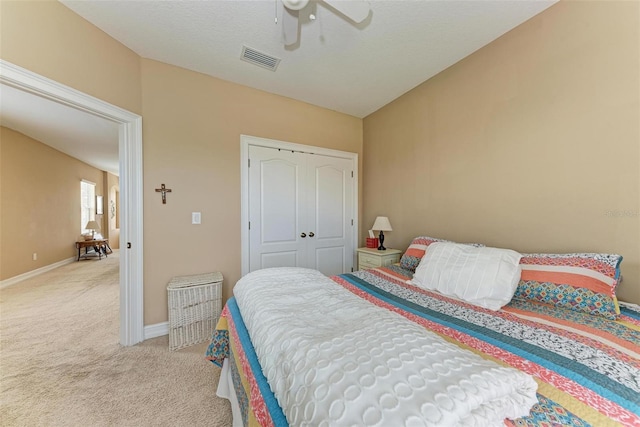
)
(29, 274)
(156, 330)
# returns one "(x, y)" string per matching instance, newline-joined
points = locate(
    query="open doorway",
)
(130, 185)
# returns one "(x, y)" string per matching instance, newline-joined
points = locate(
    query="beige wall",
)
(531, 143)
(112, 191)
(480, 152)
(192, 126)
(191, 131)
(49, 39)
(39, 203)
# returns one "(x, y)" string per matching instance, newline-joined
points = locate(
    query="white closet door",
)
(277, 181)
(329, 214)
(300, 210)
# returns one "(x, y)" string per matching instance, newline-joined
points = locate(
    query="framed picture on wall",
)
(99, 205)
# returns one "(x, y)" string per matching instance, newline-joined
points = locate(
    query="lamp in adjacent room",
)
(382, 224)
(93, 226)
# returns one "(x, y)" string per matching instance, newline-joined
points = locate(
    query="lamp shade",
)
(92, 225)
(382, 224)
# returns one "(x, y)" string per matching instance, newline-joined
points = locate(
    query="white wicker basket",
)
(194, 308)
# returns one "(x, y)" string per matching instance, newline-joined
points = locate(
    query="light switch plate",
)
(195, 218)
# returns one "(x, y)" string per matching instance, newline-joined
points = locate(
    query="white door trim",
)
(130, 146)
(245, 142)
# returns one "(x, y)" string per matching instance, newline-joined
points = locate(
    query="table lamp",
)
(93, 226)
(382, 224)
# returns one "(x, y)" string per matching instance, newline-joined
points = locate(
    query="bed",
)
(586, 367)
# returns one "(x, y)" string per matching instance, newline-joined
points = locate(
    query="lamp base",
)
(381, 247)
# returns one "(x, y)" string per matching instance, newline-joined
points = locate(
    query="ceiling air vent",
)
(258, 58)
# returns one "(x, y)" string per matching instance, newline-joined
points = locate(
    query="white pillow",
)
(486, 277)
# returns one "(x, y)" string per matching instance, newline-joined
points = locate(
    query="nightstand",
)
(372, 258)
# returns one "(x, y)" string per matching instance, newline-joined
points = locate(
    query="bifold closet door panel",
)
(330, 214)
(277, 185)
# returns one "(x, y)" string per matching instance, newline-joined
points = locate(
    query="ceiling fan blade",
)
(289, 26)
(355, 10)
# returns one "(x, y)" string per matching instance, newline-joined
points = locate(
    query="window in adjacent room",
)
(87, 204)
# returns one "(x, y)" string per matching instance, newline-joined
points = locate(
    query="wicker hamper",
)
(194, 307)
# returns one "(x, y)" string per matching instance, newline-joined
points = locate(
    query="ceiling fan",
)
(354, 10)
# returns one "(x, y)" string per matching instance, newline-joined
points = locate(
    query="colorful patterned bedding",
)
(587, 367)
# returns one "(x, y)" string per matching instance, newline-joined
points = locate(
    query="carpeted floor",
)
(61, 363)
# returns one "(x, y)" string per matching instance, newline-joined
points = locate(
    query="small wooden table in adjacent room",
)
(100, 247)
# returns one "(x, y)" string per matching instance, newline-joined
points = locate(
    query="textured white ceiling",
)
(354, 69)
(92, 139)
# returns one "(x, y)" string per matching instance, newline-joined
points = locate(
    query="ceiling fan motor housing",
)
(295, 4)
(354, 10)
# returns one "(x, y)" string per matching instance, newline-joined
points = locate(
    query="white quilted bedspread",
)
(334, 359)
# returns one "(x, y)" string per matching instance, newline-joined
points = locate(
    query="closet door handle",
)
(311, 234)
(303, 235)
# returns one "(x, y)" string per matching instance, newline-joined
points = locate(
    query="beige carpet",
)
(61, 364)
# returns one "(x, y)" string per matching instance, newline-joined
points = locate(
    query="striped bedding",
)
(587, 367)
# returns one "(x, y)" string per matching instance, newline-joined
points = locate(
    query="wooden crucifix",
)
(164, 190)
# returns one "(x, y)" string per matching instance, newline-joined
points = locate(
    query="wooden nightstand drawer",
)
(365, 265)
(372, 258)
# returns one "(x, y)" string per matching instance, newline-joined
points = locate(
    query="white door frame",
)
(245, 142)
(130, 156)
